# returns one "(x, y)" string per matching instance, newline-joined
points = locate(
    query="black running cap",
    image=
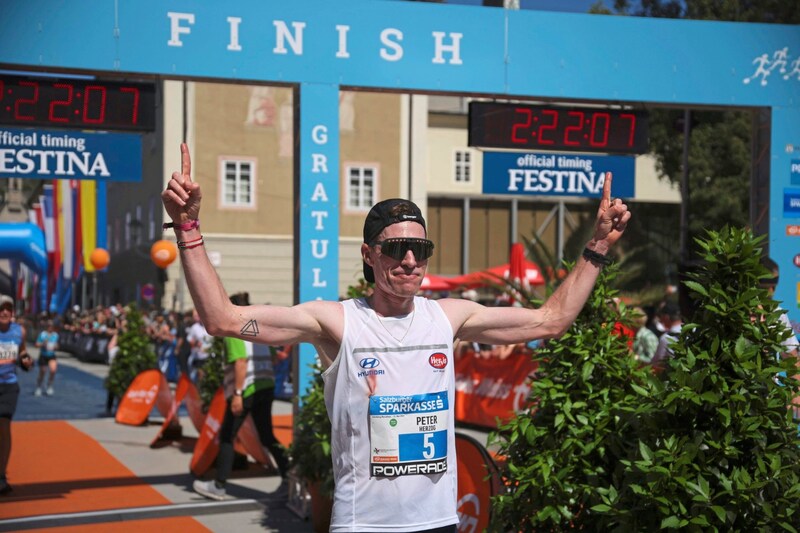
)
(384, 214)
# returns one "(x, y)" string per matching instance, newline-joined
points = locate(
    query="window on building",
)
(238, 177)
(361, 183)
(462, 166)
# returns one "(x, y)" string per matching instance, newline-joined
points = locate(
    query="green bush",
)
(563, 456)
(136, 354)
(213, 375)
(310, 452)
(722, 454)
(709, 445)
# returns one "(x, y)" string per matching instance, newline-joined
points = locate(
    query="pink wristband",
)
(186, 226)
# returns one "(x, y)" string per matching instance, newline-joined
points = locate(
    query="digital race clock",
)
(77, 103)
(529, 127)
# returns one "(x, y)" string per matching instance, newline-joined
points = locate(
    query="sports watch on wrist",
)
(237, 392)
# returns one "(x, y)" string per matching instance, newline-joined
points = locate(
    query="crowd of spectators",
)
(92, 334)
(649, 334)
(182, 344)
(180, 341)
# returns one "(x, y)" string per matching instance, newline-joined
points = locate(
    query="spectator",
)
(653, 323)
(182, 348)
(249, 389)
(670, 317)
(47, 342)
(200, 344)
(790, 344)
(645, 341)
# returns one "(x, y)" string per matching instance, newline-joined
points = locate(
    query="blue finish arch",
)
(321, 45)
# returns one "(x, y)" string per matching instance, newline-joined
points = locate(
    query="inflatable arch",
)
(24, 242)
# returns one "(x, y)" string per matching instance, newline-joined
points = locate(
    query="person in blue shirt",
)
(47, 342)
(12, 354)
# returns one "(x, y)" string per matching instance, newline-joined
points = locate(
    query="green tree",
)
(720, 141)
(769, 11)
(719, 164)
(136, 354)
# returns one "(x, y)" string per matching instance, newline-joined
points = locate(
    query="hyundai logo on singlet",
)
(369, 362)
(370, 367)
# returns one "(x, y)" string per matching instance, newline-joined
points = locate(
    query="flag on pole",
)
(77, 232)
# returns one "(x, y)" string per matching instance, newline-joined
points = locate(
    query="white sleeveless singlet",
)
(390, 403)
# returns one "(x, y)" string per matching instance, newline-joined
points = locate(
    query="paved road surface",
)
(79, 392)
(257, 503)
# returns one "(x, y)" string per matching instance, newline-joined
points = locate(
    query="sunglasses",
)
(397, 248)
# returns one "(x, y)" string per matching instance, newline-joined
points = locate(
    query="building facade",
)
(241, 138)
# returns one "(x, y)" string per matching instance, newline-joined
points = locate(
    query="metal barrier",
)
(87, 347)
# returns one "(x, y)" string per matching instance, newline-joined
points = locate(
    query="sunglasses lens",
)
(397, 248)
(422, 249)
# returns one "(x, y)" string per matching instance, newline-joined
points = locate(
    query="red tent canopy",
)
(432, 282)
(495, 275)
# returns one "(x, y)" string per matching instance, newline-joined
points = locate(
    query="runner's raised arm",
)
(318, 323)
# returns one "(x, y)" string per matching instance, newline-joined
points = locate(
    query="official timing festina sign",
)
(556, 174)
(38, 154)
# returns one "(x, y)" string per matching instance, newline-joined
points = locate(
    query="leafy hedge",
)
(136, 354)
(563, 456)
(310, 451)
(709, 445)
(722, 453)
(213, 372)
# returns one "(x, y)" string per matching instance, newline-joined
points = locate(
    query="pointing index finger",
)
(606, 200)
(186, 162)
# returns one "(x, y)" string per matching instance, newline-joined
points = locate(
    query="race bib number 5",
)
(408, 434)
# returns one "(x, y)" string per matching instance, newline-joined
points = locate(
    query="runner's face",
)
(398, 277)
(6, 313)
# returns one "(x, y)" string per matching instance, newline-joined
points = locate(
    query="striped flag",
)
(66, 228)
(88, 221)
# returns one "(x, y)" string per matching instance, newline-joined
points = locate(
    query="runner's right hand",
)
(182, 196)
